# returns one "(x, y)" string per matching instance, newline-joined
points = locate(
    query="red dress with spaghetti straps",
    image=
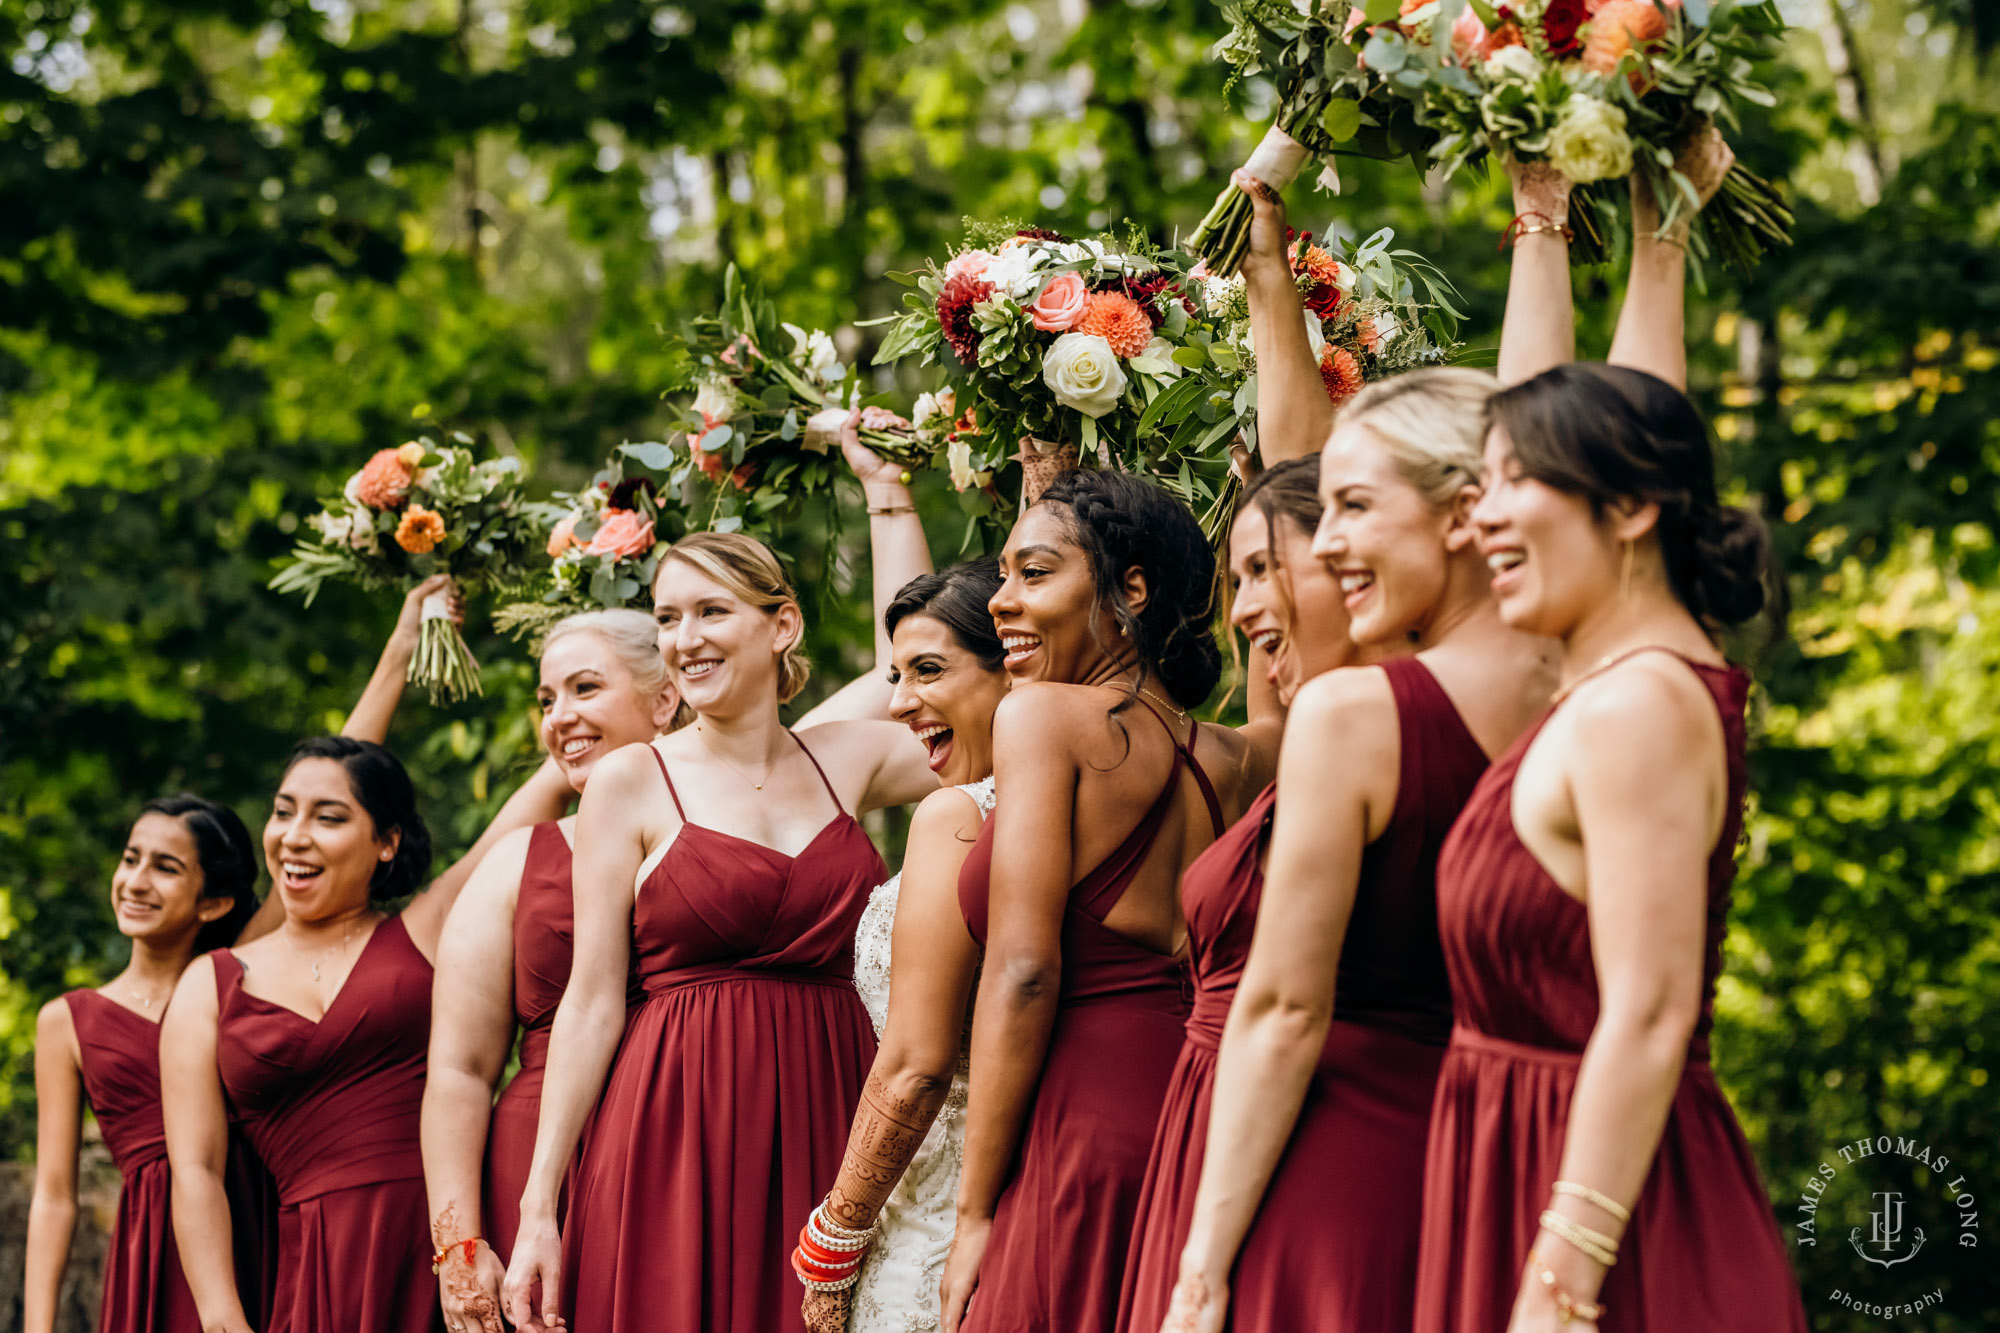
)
(332, 1108)
(1063, 1227)
(1702, 1252)
(544, 922)
(1334, 1244)
(726, 1112)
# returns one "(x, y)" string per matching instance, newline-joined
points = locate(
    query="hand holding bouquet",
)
(411, 513)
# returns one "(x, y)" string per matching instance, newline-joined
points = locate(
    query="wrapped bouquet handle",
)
(443, 664)
(1042, 461)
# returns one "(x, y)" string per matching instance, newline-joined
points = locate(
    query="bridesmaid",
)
(505, 957)
(1072, 890)
(184, 886)
(726, 861)
(1584, 1167)
(899, 1177)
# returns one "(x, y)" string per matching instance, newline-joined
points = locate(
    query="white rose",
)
(1013, 271)
(1315, 336)
(1513, 62)
(815, 352)
(958, 455)
(1387, 326)
(926, 408)
(1221, 295)
(1157, 358)
(715, 400)
(1589, 142)
(1083, 372)
(336, 528)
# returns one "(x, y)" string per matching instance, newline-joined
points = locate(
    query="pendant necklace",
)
(731, 767)
(146, 1002)
(1180, 713)
(1610, 659)
(345, 935)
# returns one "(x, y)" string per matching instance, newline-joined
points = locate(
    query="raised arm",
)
(898, 552)
(1294, 415)
(197, 1127)
(544, 796)
(1648, 809)
(932, 965)
(1016, 1009)
(610, 847)
(377, 706)
(472, 1029)
(1652, 332)
(1539, 328)
(1327, 809)
(58, 1130)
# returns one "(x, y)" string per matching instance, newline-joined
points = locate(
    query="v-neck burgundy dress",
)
(332, 1109)
(726, 1112)
(1056, 1259)
(544, 925)
(1702, 1253)
(1333, 1246)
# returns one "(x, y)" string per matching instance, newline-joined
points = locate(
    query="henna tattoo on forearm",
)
(887, 1132)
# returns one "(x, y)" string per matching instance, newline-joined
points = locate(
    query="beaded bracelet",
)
(1593, 1243)
(1568, 1308)
(819, 1284)
(1598, 1197)
(1521, 226)
(835, 1231)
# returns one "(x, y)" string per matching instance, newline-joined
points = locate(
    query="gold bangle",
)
(1595, 1244)
(1598, 1197)
(1568, 1307)
(874, 510)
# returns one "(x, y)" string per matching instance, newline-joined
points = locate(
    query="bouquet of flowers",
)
(413, 511)
(1594, 88)
(762, 426)
(1052, 351)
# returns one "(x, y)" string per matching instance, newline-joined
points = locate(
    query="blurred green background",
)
(243, 241)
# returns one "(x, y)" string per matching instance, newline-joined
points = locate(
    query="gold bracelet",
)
(1598, 1197)
(1595, 1244)
(874, 510)
(1568, 1307)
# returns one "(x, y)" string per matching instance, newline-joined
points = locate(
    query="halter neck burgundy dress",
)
(1334, 1244)
(1702, 1253)
(544, 926)
(1063, 1227)
(332, 1108)
(726, 1111)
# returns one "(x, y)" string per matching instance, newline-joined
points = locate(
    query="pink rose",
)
(562, 536)
(626, 532)
(1355, 18)
(973, 262)
(1468, 35)
(1061, 303)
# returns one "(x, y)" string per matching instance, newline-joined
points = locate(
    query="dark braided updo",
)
(1122, 521)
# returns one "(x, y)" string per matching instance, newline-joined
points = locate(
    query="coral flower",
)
(624, 533)
(1617, 27)
(420, 531)
(1341, 374)
(714, 466)
(384, 480)
(562, 536)
(1119, 320)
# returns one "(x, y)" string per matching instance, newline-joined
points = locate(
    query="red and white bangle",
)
(828, 1257)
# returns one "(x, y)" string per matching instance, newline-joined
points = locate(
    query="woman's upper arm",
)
(1036, 768)
(895, 762)
(58, 1096)
(544, 796)
(932, 957)
(472, 997)
(610, 848)
(197, 1122)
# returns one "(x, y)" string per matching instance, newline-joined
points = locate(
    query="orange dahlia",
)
(1340, 372)
(420, 531)
(1617, 27)
(383, 480)
(1119, 320)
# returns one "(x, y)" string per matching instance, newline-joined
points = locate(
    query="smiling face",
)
(1290, 607)
(320, 846)
(1553, 561)
(156, 889)
(592, 706)
(946, 698)
(1381, 538)
(722, 652)
(1047, 611)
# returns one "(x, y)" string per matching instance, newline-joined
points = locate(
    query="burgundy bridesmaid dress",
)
(544, 921)
(332, 1109)
(1334, 1245)
(1702, 1253)
(1063, 1226)
(144, 1291)
(727, 1109)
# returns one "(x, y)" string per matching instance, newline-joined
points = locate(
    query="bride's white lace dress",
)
(898, 1291)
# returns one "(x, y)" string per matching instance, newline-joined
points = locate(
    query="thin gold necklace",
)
(1608, 660)
(145, 1002)
(284, 937)
(1180, 713)
(731, 767)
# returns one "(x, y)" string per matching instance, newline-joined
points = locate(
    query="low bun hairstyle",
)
(382, 787)
(635, 640)
(956, 598)
(228, 862)
(1611, 433)
(753, 575)
(1121, 521)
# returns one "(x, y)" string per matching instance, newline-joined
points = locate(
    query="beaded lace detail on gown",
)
(898, 1291)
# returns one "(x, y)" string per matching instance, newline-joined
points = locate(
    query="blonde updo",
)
(752, 574)
(1433, 424)
(635, 640)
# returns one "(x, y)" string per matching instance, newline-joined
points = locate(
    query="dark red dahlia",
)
(1559, 24)
(955, 304)
(1148, 290)
(626, 494)
(1040, 234)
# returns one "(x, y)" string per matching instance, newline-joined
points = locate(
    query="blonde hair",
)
(752, 574)
(1432, 422)
(635, 640)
